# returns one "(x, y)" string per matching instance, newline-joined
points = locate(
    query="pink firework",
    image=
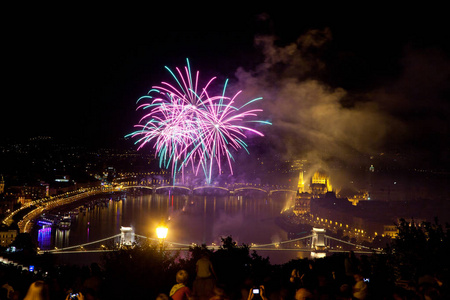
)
(187, 126)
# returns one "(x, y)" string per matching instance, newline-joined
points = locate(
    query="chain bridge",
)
(318, 243)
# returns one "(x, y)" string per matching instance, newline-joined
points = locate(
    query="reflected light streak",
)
(45, 237)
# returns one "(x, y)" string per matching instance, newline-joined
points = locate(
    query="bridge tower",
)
(318, 243)
(126, 236)
(318, 238)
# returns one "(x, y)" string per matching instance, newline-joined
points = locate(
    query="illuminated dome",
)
(320, 183)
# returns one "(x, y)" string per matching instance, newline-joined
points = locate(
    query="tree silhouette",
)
(419, 249)
(139, 272)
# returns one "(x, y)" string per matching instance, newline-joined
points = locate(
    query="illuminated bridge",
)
(39, 206)
(231, 189)
(317, 243)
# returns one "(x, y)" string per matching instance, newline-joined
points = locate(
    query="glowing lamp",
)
(161, 231)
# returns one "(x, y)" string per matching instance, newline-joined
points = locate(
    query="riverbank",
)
(27, 222)
(292, 225)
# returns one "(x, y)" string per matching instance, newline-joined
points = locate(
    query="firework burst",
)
(189, 127)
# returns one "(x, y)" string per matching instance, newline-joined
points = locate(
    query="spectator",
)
(219, 294)
(351, 266)
(303, 294)
(205, 279)
(95, 279)
(92, 285)
(295, 278)
(345, 292)
(180, 291)
(261, 293)
(309, 277)
(294, 283)
(38, 290)
(77, 296)
(162, 296)
(9, 289)
(360, 287)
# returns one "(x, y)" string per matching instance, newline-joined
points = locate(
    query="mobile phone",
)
(73, 295)
(255, 291)
(366, 279)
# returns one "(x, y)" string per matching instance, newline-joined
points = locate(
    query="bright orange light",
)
(161, 231)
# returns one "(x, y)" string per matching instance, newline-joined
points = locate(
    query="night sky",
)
(362, 80)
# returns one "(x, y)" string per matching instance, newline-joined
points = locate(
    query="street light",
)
(161, 233)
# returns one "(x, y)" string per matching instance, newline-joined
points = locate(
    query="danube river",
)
(196, 219)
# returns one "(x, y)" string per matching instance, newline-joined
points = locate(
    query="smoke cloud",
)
(308, 117)
(318, 122)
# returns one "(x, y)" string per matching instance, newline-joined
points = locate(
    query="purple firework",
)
(187, 126)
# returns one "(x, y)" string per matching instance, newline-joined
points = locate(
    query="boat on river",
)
(65, 222)
(47, 219)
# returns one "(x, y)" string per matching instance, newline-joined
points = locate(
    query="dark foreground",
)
(415, 266)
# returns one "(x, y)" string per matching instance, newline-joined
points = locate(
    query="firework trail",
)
(189, 127)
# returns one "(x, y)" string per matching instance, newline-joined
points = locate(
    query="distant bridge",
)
(234, 189)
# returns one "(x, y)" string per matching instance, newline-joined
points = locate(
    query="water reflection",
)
(45, 237)
(62, 238)
(192, 219)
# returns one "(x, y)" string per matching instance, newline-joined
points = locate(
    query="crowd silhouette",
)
(335, 277)
(234, 272)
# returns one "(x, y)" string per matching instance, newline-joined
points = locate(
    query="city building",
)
(390, 231)
(320, 184)
(28, 193)
(354, 216)
(302, 203)
(7, 236)
(359, 196)
(2, 185)
(301, 183)
(6, 204)
(303, 200)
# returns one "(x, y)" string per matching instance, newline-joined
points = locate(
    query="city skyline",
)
(323, 149)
